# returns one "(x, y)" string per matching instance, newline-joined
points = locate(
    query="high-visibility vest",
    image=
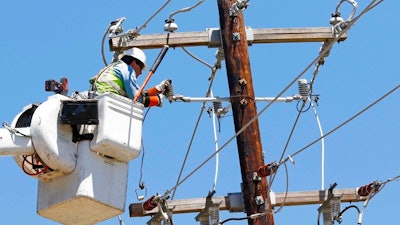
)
(107, 80)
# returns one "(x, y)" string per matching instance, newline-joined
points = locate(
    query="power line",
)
(213, 72)
(342, 124)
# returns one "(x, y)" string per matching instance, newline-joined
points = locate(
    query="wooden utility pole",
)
(255, 191)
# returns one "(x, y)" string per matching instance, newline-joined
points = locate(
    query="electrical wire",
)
(343, 123)
(347, 208)
(188, 150)
(140, 182)
(213, 72)
(311, 87)
(187, 9)
(197, 58)
(286, 190)
(151, 17)
(250, 217)
(108, 30)
(102, 45)
(231, 219)
(288, 140)
(315, 73)
(322, 146)
(354, 3)
(216, 149)
(209, 92)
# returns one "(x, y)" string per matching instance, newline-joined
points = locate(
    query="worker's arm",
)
(151, 100)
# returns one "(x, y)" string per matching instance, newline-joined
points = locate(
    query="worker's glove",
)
(164, 86)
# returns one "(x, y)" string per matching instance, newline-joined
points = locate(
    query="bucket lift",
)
(79, 150)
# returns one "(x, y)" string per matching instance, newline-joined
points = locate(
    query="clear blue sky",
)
(51, 39)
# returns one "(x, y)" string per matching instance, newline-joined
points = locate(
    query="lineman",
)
(120, 78)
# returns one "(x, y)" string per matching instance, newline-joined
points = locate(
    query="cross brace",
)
(212, 38)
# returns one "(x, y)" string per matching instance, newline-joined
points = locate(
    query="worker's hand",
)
(164, 86)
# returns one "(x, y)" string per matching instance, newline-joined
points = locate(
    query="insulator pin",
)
(303, 88)
(149, 204)
(217, 107)
(368, 189)
(267, 170)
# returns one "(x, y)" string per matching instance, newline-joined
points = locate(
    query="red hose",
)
(31, 163)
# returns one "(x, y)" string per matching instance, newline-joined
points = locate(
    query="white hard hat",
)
(138, 54)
